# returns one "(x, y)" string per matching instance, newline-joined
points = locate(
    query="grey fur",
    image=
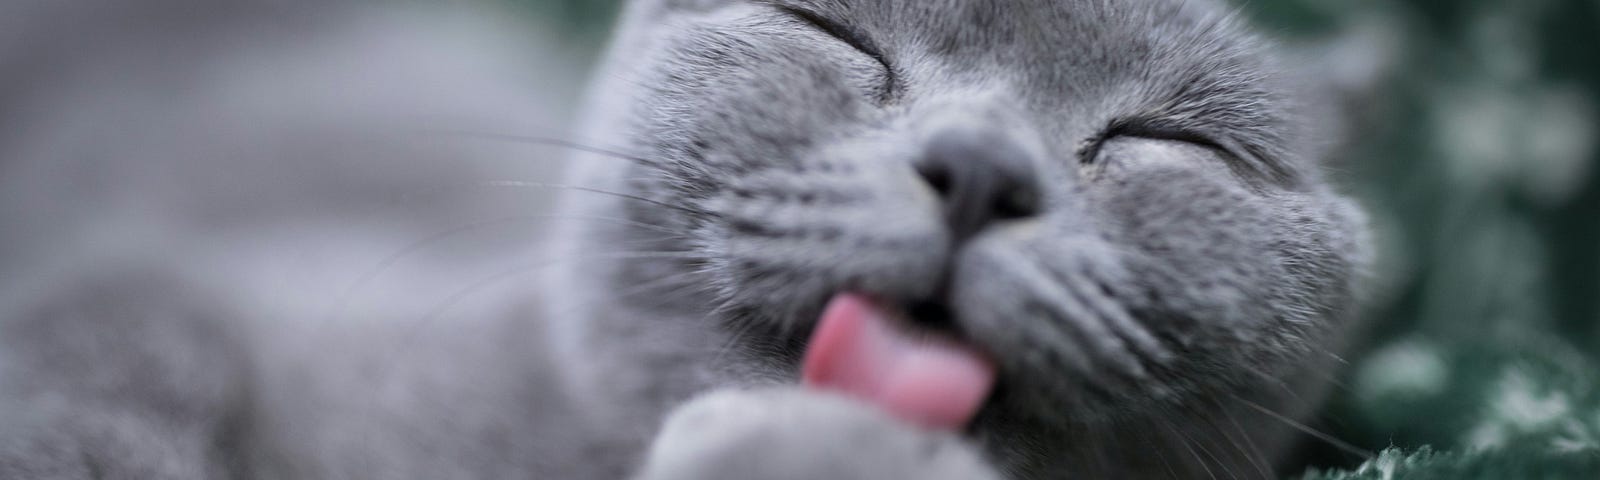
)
(1187, 267)
(774, 434)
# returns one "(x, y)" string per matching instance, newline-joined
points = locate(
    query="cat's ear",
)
(1341, 79)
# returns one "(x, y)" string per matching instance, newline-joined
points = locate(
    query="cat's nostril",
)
(981, 176)
(936, 176)
(1017, 203)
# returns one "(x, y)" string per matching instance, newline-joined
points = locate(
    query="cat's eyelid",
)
(843, 32)
(1159, 130)
(850, 36)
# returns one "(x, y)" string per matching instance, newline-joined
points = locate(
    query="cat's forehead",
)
(1032, 37)
(1076, 43)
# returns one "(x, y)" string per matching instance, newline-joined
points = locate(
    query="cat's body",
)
(210, 275)
(1115, 200)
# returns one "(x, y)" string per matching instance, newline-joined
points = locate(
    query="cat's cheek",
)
(1201, 244)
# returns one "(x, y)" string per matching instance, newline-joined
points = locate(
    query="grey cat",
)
(1113, 208)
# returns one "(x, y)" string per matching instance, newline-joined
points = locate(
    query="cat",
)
(1120, 201)
(1109, 215)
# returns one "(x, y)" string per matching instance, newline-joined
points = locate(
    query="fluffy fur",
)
(1187, 264)
(1119, 200)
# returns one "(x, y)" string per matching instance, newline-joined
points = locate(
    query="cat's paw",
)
(788, 433)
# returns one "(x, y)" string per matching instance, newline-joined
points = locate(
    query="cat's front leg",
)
(790, 433)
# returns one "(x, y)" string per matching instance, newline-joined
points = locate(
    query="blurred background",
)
(1477, 157)
(1474, 147)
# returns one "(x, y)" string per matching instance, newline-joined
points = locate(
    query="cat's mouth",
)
(864, 349)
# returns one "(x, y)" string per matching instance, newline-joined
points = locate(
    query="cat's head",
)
(1112, 198)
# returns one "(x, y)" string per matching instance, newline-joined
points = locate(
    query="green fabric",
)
(1425, 464)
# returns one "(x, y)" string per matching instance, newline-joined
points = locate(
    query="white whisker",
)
(1330, 439)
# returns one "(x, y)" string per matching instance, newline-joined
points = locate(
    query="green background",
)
(1476, 154)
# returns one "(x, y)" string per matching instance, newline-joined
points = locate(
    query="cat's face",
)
(1111, 198)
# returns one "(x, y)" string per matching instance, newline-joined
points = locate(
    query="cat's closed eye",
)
(1219, 148)
(1143, 153)
(1142, 130)
(850, 36)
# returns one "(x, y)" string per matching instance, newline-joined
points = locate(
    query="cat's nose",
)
(981, 176)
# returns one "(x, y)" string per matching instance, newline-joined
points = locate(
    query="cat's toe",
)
(782, 434)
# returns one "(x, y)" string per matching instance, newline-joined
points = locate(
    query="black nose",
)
(982, 177)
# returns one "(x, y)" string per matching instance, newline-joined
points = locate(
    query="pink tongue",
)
(933, 382)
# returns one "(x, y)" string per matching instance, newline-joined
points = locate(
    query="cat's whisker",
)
(1183, 439)
(400, 199)
(647, 286)
(1307, 429)
(1274, 380)
(655, 283)
(413, 195)
(1295, 396)
(1223, 464)
(342, 302)
(1332, 380)
(1335, 357)
(1223, 455)
(415, 329)
(551, 142)
(1289, 390)
(1153, 447)
(1253, 454)
(455, 298)
(532, 184)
